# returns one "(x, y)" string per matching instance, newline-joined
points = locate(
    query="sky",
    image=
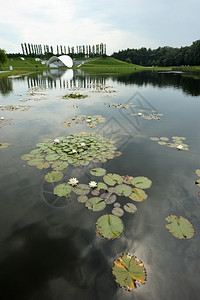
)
(119, 24)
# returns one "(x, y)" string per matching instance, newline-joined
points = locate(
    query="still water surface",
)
(49, 250)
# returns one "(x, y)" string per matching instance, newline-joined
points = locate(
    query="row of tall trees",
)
(162, 56)
(78, 51)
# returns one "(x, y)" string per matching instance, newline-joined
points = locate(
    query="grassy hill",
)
(108, 62)
(17, 63)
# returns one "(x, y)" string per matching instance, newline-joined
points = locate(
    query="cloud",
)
(119, 24)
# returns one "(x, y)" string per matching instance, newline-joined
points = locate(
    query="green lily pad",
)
(197, 172)
(28, 156)
(35, 162)
(54, 176)
(164, 138)
(130, 208)
(52, 157)
(128, 271)
(141, 182)
(123, 190)
(95, 204)
(101, 186)
(82, 199)
(117, 211)
(138, 195)
(81, 189)
(59, 165)
(62, 189)
(109, 226)
(162, 143)
(112, 179)
(181, 228)
(44, 165)
(98, 171)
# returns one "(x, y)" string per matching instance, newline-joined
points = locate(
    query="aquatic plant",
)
(90, 121)
(181, 228)
(76, 149)
(129, 271)
(74, 96)
(176, 142)
(4, 145)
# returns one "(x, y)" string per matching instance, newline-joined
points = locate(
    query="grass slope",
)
(108, 62)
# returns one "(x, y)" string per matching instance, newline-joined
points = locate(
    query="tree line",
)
(162, 56)
(47, 51)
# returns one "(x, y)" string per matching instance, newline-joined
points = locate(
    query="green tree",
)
(3, 57)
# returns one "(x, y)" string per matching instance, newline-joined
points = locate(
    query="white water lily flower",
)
(74, 151)
(2, 118)
(73, 181)
(56, 141)
(179, 147)
(139, 114)
(89, 120)
(83, 144)
(93, 184)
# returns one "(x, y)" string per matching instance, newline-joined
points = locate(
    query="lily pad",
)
(52, 157)
(128, 271)
(123, 190)
(95, 204)
(4, 145)
(117, 211)
(62, 189)
(130, 208)
(59, 165)
(98, 172)
(109, 197)
(35, 162)
(162, 143)
(81, 189)
(127, 179)
(101, 186)
(138, 195)
(112, 179)
(109, 226)
(44, 165)
(28, 156)
(54, 176)
(141, 182)
(197, 172)
(82, 199)
(181, 228)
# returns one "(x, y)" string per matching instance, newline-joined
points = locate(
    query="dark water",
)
(52, 253)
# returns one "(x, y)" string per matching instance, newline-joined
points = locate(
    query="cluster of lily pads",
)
(116, 105)
(176, 142)
(75, 96)
(15, 107)
(4, 145)
(106, 192)
(152, 116)
(90, 121)
(76, 149)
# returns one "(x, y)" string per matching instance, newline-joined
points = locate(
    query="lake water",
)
(49, 248)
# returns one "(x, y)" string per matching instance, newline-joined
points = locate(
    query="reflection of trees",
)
(41, 266)
(5, 85)
(189, 85)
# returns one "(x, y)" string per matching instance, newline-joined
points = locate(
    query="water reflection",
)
(189, 85)
(6, 86)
